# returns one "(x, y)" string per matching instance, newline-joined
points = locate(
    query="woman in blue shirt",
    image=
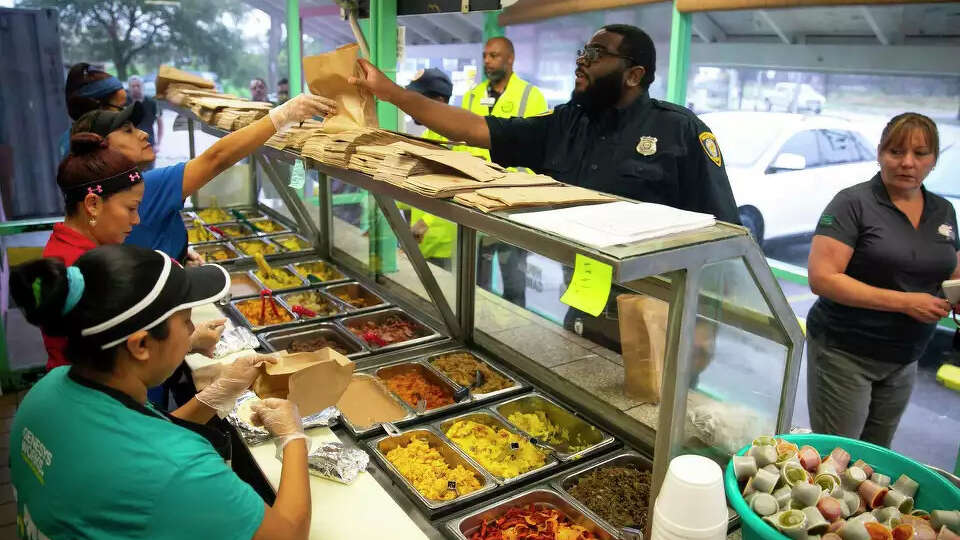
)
(166, 188)
(92, 458)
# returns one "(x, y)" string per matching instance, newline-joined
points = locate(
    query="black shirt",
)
(650, 151)
(887, 253)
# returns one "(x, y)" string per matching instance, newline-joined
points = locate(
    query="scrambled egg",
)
(493, 448)
(429, 473)
(538, 425)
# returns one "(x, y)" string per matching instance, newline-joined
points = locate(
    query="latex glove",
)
(193, 258)
(221, 395)
(300, 108)
(206, 335)
(282, 419)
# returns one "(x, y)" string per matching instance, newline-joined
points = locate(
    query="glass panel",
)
(438, 245)
(269, 196)
(351, 221)
(738, 363)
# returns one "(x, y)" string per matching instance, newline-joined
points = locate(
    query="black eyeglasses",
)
(592, 53)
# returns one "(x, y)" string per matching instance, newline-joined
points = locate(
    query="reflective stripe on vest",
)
(523, 101)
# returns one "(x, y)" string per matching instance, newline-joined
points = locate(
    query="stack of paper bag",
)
(493, 199)
(443, 186)
(468, 164)
(327, 75)
(294, 136)
(313, 381)
(169, 74)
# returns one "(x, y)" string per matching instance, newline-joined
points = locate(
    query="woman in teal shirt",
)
(92, 458)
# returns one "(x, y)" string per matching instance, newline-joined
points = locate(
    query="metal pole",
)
(293, 47)
(383, 27)
(466, 263)
(325, 200)
(491, 26)
(680, 35)
(193, 153)
(685, 285)
(400, 228)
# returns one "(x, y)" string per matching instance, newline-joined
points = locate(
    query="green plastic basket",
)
(935, 493)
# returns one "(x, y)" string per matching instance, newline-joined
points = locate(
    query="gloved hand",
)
(282, 419)
(300, 108)
(206, 335)
(223, 392)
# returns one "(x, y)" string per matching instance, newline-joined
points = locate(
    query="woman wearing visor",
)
(92, 458)
(102, 192)
(166, 188)
(87, 89)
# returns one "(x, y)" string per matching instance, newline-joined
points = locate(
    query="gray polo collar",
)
(883, 197)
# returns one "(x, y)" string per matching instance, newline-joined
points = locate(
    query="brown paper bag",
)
(327, 75)
(313, 380)
(643, 339)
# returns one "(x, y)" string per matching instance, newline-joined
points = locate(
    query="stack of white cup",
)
(691, 504)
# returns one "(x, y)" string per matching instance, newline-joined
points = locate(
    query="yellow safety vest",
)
(519, 98)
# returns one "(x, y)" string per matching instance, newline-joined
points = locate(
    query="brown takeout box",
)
(313, 380)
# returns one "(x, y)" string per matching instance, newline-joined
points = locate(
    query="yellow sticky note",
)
(590, 286)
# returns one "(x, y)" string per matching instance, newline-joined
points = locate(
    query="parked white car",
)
(782, 94)
(944, 179)
(785, 168)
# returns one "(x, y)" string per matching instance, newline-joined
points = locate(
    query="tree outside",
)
(133, 37)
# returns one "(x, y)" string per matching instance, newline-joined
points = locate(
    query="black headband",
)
(104, 187)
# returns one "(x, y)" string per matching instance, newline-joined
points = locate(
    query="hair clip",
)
(94, 190)
(134, 176)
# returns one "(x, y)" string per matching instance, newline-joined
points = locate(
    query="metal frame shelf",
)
(669, 267)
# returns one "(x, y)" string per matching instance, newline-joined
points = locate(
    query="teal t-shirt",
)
(85, 465)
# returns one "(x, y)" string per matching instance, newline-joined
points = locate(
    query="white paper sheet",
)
(621, 222)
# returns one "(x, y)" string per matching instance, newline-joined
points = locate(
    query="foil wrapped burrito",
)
(334, 461)
(234, 340)
(242, 412)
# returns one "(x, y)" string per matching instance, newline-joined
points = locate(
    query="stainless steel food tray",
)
(384, 372)
(626, 458)
(452, 455)
(336, 303)
(517, 385)
(463, 528)
(278, 249)
(280, 340)
(361, 432)
(488, 417)
(358, 290)
(308, 245)
(240, 318)
(253, 275)
(258, 222)
(246, 231)
(426, 333)
(343, 277)
(205, 248)
(559, 415)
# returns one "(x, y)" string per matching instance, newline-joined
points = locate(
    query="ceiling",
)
(911, 24)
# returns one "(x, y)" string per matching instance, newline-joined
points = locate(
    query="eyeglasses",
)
(592, 53)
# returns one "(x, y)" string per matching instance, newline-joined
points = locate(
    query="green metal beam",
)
(293, 47)
(491, 26)
(680, 34)
(383, 49)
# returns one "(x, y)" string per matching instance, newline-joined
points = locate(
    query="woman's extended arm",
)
(241, 143)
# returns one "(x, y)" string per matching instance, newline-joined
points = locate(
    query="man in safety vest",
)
(435, 235)
(503, 95)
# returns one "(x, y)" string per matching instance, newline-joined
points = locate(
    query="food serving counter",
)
(731, 352)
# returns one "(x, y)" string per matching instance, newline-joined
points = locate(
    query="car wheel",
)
(815, 107)
(768, 104)
(752, 219)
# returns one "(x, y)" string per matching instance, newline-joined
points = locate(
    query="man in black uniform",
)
(611, 136)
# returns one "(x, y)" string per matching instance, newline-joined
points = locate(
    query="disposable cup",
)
(691, 503)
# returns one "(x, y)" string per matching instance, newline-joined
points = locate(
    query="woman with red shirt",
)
(102, 190)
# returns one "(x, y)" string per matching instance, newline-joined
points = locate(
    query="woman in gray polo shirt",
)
(879, 254)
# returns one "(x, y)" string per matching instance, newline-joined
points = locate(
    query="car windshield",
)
(944, 180)
(743, 137)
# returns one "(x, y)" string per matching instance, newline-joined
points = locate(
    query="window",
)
(838, 147)
(804, 143)
(866, 152)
